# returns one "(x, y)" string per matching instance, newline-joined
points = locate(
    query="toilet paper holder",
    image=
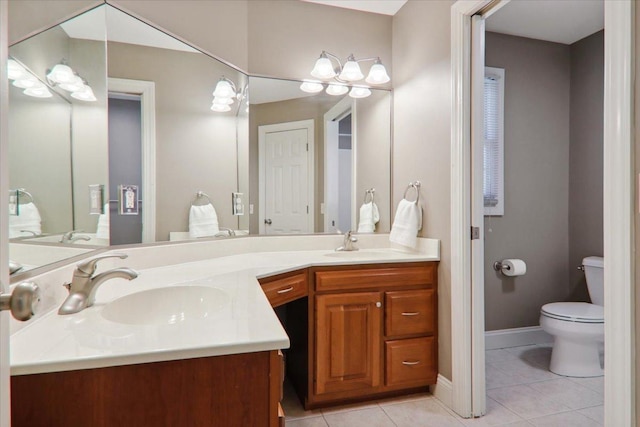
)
(499, 266)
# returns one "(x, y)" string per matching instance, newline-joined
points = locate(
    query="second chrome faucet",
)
(83, 286)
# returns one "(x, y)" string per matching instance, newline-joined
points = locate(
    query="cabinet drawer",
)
(283, 290)
(410, 362)
(338, 280)
(409, 312)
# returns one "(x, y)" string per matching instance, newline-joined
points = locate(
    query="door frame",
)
(147, 92)
(263, 130)
(619, 188)
(341, 109)
(5, 372)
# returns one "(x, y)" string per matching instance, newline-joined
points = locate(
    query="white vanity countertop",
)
(245, 322)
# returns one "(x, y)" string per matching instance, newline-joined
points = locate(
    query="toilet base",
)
(575, 358)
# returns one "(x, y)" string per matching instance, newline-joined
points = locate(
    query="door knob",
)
(23, 301)
(267, 221)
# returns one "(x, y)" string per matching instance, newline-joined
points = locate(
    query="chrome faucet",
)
(82, 289)
(222, 233)
(70, 236)
(347, 244)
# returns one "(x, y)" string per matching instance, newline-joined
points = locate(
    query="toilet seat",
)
(578, 312)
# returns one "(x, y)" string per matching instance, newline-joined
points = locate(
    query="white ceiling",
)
(122, 28)
(560, 21)
(384, 7)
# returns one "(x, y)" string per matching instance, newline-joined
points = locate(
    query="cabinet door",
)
(348, 341)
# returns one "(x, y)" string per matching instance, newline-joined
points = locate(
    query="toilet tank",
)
(594, 273)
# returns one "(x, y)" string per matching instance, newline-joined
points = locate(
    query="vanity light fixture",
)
(23, 79)
(63, 76)
(225, 94)
(349, 72)
(311, 86)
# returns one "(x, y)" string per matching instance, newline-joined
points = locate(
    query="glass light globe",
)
(74, 85)
(337, 90)
(222, 101)
(220, 108)
(351, 71)
(359, 92)
(15, 70)
(323, 68)
(377, 74)
(224, 89)
(84, 94)
(26, 81)
(38, 91)
(311, 87)
(61, 73)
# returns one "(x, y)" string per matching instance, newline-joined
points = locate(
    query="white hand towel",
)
(407, 222)
(369, 217)
(203, 221)
(102, 230)
(26, 223)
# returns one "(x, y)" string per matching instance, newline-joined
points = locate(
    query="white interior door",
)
(4, 222)
(331, 182)
(478, 401)
(286, 196)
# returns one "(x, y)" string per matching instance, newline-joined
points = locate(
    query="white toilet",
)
(578, 327)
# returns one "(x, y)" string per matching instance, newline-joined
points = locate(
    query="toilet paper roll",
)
(513, 267)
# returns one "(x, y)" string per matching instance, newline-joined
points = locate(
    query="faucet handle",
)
(89, 267)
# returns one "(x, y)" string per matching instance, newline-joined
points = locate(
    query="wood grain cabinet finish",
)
(348, 342)
(410, 362)
(373, 331)
(285, 288)
(232, 391)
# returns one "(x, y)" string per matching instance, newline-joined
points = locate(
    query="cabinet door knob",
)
(378, 304)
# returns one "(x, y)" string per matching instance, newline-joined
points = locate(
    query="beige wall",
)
(286, 37)
(535, 224)
(637, 214)
(422, 133)
(195, 147)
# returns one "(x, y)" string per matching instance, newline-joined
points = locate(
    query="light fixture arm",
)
(331, 55)
(233, 85)
(373, 58)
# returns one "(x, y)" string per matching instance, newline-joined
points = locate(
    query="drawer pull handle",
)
(284, 291)
(410, 363)
(410, 313)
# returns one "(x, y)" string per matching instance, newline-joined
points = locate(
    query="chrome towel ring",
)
(200, 195)
(369, 193)
(416, 186)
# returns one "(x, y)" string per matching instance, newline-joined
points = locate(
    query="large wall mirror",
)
(158, 144)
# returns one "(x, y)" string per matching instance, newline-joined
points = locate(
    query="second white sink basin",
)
(166, 306)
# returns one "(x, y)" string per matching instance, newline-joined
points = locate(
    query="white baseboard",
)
(443, 391)
(515, 337)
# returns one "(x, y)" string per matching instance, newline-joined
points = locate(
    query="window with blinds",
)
(493, 183)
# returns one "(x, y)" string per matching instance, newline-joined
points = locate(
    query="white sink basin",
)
(166, 306)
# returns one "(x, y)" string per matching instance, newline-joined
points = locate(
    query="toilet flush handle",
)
(581, 267)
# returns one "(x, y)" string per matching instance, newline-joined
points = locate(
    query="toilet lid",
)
(580, 312)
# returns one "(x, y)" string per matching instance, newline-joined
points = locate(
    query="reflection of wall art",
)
(128, 199)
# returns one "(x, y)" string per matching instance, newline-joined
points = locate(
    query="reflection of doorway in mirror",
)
(286, 177)
(339, 167)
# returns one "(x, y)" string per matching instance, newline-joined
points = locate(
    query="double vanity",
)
(197, 336)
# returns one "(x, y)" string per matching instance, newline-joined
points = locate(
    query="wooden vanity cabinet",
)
(373, 331)
(233, 390)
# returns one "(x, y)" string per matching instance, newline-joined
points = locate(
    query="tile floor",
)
(520, 392)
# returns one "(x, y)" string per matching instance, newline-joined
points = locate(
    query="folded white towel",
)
(406, 224)
(369, 217)
(203, 221)
(102, 230)
(26, 223)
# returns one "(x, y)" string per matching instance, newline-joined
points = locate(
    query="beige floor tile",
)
(594, 383)
(530, 371)
(407, 398)
(526, 402)
(497, 415)
(496, 378)
(567, 419)
(596, 413)
(293, 407)
(350, 407)
(307, 422)
(498, 355)
(421, 413)
(518, 424)
(569, 393)
(370, 417)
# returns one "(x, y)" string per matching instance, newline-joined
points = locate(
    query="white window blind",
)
(493, 183)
